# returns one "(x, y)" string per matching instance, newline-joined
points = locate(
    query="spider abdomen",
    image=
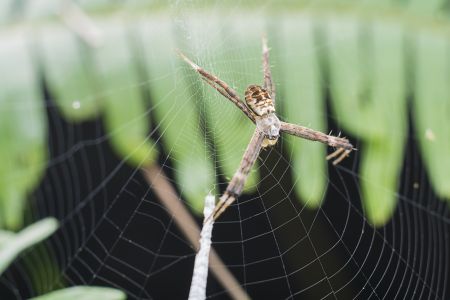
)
(259, 100)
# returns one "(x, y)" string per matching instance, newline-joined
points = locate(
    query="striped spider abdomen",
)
(259, 100)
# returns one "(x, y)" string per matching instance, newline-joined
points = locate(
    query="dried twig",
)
(80, 23)
(200, 274)
(168, 196)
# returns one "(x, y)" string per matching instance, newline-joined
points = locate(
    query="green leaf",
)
(370, 101)
(5, 236)
(176, 112)
(11, 245)
(83, 293)
(426, 7)
(5, 10)
(303, 103)
(365, 52)
(126, 117)
(230, 128)
(431, 107)
(22, 128)
(75, 92)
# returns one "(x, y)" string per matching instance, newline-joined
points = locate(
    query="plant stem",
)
(168, 196)
(200, 275)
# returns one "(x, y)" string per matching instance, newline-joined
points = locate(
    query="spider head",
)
(270, 126)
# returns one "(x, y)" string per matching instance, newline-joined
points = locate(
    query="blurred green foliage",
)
(100, 57)
(98, 65)
(83, 292)
(12, 244)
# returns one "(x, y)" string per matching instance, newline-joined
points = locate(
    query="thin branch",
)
(80, 23)
(167, 195)
(200, 274)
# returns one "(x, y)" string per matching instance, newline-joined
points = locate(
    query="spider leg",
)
(341, 153)
(342, 157)
(225, 201)
(226, 95)
(221, 86)
(236, 185)
(335, 153)
(343, 145)
(268, 83)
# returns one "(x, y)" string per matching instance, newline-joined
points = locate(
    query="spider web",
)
(115, 232)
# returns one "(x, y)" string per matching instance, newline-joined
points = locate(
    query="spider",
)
(259, 107)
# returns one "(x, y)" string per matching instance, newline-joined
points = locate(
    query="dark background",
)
(115, 232)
